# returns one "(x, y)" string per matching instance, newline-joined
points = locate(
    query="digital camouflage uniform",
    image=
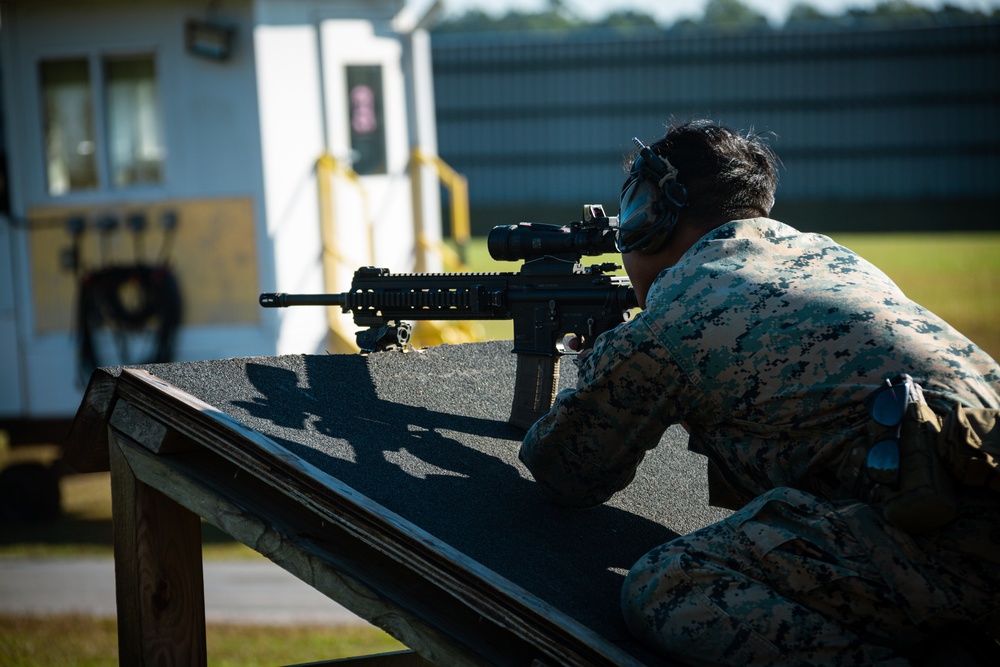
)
(764, 343)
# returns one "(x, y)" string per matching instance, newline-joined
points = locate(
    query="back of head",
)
(728, 176)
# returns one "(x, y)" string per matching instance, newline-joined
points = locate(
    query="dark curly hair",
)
(728, 175)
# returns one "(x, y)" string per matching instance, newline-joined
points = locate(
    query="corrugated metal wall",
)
(542, 121)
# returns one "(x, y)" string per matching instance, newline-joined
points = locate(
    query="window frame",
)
(96, 68)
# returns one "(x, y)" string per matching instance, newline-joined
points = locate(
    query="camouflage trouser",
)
(790, 579)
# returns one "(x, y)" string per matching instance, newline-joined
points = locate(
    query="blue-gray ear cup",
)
(651, 201)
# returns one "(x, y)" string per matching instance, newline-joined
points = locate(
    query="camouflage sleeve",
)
(590, 443)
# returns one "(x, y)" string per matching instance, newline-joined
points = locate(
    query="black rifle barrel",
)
(282, 300)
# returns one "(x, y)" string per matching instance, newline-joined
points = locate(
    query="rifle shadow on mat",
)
(452, 471)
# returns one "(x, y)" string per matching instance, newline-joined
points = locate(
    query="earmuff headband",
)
(647, 219)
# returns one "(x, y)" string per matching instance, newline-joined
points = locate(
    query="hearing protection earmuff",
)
(651, 201)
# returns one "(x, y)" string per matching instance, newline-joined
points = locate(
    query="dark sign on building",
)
(364, 96)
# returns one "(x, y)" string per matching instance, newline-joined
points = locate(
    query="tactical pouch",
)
(970, 446)
(924, 497)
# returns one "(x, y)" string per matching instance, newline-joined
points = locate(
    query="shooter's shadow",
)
(452, 473)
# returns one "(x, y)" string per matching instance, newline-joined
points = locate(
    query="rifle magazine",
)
(535, 383)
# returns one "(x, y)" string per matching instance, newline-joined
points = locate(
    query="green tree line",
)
(719, 15)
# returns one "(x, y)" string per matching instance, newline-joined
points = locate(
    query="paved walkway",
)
(251, 592)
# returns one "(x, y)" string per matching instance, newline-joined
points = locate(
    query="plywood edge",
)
(484, 593)
(86, 446)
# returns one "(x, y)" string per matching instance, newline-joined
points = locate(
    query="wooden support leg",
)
(159, 583)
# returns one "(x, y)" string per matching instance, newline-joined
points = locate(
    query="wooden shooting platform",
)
(389, 482)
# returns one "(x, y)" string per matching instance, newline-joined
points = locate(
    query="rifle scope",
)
(528, 240)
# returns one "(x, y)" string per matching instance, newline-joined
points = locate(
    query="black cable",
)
(101, 304)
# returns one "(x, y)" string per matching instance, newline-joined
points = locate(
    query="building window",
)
(135, 145)
(131, 151)
(69, 126)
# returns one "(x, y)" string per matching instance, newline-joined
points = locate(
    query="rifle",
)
(552, 298)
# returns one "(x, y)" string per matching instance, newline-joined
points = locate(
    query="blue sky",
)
(668, 11)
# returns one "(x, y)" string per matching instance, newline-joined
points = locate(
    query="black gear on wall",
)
(156, 302)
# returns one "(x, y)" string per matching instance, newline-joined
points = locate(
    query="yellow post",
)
(458, 187)
(417, 198)
(432, 333)
(327, 167)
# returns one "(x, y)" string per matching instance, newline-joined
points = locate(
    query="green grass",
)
(84, 641)
(955, 275)
(84, 526)
(84, 529)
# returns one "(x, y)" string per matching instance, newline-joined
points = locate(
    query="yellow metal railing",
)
(458, 194)
(329, 168)
(328, 171)
(452, 331)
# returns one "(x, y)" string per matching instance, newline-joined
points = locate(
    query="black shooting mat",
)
(424, 434)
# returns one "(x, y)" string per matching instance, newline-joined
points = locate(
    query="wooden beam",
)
(177, 458)
(147, 430)
(310, 547)
(158, 571)
(437, 601)
(86, 446)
